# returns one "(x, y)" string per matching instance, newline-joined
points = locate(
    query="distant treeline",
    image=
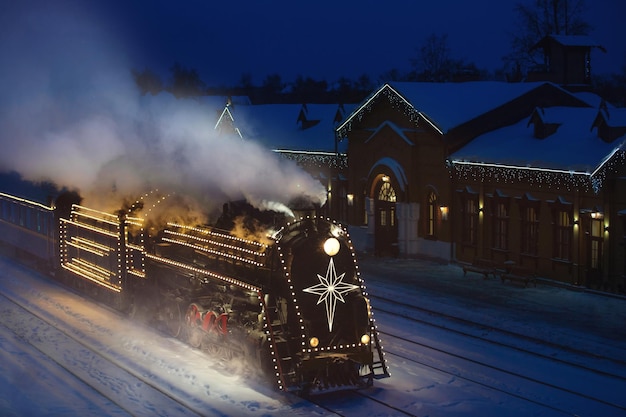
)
(186, 82)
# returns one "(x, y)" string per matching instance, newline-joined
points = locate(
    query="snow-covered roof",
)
(573, 40)
(573, 147)
(448, 105)
(451, 104)
(307, 127)
(592, 99)
(613, 116)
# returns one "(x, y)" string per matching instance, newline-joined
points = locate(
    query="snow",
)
(574, 146)
(279, 126)
(36, 353)
(449, 105)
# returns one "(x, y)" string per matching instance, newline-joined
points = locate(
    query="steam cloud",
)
(70, 114)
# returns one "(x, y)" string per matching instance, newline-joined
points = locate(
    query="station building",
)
(526, 174)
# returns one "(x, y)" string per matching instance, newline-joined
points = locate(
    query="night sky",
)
(325, 39)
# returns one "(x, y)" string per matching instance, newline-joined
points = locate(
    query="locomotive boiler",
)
(285, 297)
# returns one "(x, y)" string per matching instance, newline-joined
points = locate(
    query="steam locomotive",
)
(289, 300)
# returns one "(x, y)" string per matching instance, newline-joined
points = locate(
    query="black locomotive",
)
(289, 300)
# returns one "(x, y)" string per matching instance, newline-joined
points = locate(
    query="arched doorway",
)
(385, 219)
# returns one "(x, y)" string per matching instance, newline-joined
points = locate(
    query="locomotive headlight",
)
(331, 246)
(365, 339)
(314, 342)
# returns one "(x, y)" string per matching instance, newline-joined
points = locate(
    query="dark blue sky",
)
(325, 39)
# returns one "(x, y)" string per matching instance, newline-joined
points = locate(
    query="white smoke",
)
(70, 114)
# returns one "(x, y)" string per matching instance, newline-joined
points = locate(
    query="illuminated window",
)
(387, 193)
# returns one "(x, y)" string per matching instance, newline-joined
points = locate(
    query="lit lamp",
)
(350, 198)
(331, 246)
(444, 212)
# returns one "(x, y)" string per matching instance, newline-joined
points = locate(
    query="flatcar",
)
(286, 298)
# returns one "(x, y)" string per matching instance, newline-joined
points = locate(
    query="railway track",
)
(93, 348)
(354, 402)
(93, 367)
(609, 364)
(431, 356)
(516, 361)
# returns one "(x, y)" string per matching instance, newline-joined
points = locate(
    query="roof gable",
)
(447, 105)
(389, 125)
(570, 41)
(611, 123)
(386, 91)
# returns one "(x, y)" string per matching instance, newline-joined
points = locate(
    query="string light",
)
(89, 246)
(206, 272)
(12, 198)
(556, 179)
(213, 233)
(214, 252)
(312, 159)
(395, 99)
(91, 276)
(203, 239)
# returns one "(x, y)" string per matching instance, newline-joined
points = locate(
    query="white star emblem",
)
(330, 289)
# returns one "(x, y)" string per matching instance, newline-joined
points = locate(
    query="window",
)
(470, 220)
(432, 213)
(530, 230)
(563, 232)
(596, 242)
(501, 226)
(387, 193)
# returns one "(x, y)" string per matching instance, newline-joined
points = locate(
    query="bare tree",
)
(537, 19)
(434, 63)
(147, 81)
(433, 59)
(186, 82)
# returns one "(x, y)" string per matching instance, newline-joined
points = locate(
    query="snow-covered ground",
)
(75, 357)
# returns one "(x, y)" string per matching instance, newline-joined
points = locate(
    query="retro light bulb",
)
(331, 246)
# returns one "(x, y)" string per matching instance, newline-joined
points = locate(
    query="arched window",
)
(387, 193)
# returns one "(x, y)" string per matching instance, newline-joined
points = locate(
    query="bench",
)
(521, 275)
(485, 267)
